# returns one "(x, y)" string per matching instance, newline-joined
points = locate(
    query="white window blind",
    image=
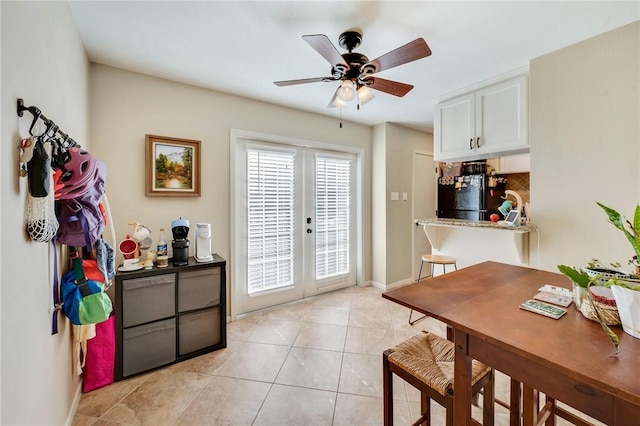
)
(333, 216)
(271, 220)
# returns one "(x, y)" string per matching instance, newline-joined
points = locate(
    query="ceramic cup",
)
(162, 261)
(130, 263)
(128, 247)
(141, 233)
(146, 242)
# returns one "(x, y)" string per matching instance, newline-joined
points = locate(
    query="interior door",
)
(424, 202)
(294, 224)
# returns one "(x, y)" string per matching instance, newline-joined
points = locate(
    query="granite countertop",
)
(436, 221)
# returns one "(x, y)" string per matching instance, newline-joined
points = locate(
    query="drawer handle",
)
(584, 389)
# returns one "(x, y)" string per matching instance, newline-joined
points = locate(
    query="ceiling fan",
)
(356, 71)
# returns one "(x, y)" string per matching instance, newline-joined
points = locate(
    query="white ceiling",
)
(242, 47)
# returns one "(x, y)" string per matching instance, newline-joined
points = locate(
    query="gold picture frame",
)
(172, 166)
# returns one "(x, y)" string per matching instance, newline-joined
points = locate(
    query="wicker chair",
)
(426, 362)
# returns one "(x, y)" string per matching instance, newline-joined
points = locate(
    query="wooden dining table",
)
(569, 359)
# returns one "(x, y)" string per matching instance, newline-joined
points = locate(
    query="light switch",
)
(395, 196)
(405, 197)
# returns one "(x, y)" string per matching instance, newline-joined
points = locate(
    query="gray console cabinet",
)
(167, 315)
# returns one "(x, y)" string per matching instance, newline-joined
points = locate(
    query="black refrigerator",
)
(471, 197)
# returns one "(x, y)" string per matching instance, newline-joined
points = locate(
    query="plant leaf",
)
(616, 219)
(636, 222)
(580, 278)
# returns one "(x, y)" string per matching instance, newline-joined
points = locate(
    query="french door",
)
(294, 223)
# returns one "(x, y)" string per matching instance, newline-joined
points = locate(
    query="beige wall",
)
(585, 146)
(125, 106)
(43, 62)
(393, 220)
(379, 205)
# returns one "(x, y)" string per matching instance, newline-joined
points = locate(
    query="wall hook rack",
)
(51, 128)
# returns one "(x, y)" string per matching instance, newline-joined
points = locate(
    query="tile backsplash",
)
(519, 182)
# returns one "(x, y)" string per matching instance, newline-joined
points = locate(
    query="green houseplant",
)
(625, 287)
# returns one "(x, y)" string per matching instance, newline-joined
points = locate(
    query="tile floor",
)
(315, 362)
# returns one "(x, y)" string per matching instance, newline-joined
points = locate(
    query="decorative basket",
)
(609, 313)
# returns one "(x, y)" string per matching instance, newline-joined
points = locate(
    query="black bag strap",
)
(78, 271)
(57, 303)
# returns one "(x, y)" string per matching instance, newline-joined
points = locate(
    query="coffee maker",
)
(180, 243)
(203, 242)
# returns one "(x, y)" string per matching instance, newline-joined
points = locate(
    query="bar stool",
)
(436, 259)
(426, 361)
(433, 259)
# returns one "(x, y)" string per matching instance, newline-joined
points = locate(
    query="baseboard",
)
(74, 405)
(385, 287)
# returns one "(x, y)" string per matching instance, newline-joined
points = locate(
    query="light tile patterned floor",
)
(315, 362)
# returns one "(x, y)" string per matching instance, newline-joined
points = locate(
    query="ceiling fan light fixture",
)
(346, 92)
(364, 95)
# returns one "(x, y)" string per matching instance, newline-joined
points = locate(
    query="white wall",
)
(393, 220)
(43, 62)
(125, 106)
(585, 146)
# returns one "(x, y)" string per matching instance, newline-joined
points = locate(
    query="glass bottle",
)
(162, 244)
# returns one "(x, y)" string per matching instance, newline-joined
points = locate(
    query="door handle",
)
(309, 231)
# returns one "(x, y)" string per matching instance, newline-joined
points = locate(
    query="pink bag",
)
(99, 368)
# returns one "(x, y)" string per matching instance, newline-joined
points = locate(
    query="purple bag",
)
(82, 219)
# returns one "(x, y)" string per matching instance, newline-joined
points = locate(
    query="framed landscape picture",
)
(172, 166)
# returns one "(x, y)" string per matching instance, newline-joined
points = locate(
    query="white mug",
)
(146, 242)
(141, 232)
(130, 263)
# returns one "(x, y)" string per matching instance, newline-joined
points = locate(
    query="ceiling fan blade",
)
(392, 87)
(323, 46)
(303, 81)
(412, 51)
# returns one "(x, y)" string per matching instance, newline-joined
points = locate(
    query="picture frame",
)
(172, 167)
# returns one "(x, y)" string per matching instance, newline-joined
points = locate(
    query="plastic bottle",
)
(162, 244)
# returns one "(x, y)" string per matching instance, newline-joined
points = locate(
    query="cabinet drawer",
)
(148, 299)
(199, 330)
(198, 289)
(148, 346)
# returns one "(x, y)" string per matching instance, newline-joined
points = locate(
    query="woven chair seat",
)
(430, 359)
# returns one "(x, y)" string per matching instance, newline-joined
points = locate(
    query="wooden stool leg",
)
(551, 420)
(488, 404)
(387, 392)
(425, 408)
(514, 403)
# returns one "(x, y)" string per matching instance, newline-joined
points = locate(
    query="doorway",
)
(425, 171)
(295, 217)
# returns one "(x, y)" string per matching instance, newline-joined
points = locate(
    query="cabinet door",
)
(520, 163)
(455, 128)
(198, 289)
(502, 116)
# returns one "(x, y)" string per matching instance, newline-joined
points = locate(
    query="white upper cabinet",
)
(519, 163)
(491, 121)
